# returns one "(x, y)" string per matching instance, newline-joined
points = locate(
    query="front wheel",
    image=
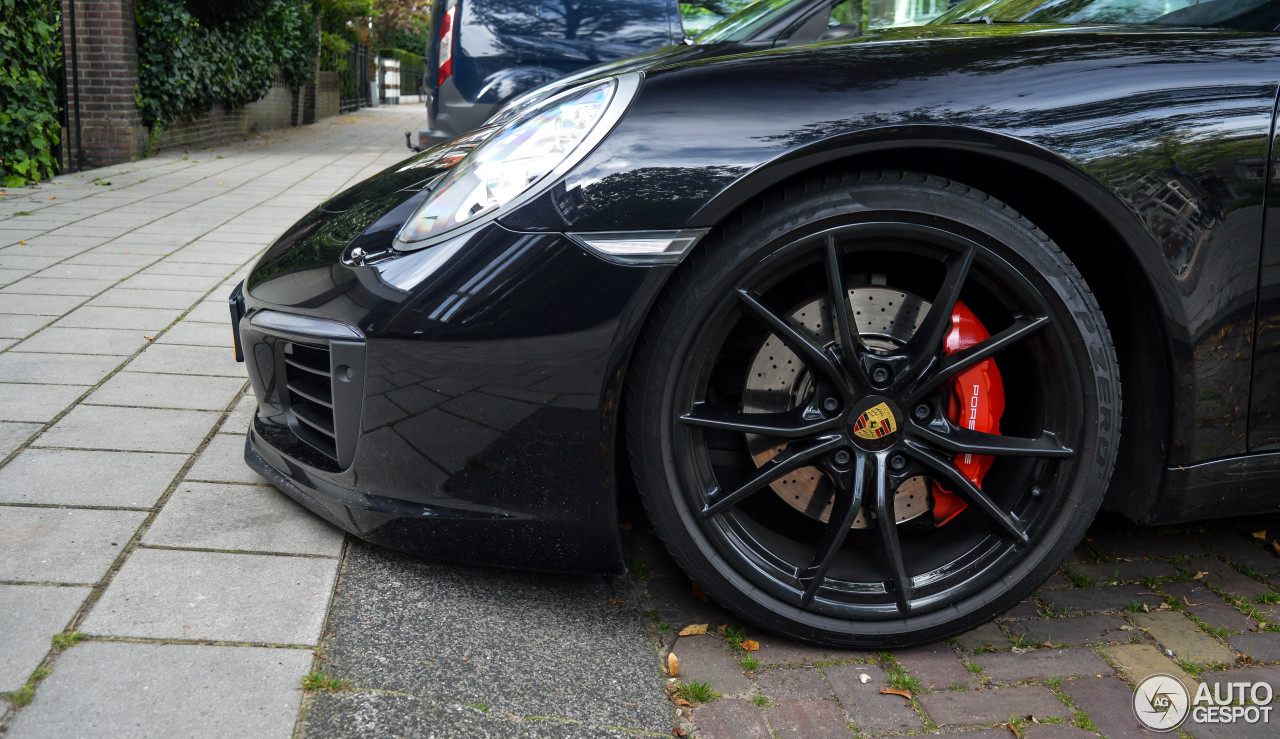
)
(879, 411)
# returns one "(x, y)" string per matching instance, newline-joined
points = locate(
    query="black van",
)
(486, 52)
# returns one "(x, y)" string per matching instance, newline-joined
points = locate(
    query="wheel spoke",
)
(962, 360)
(786, 462)
(810, 353)
(846, 329)
(886, 521)
(955, 480)
(848, 501)
(926, 343)
(784, 425)
(960, 440)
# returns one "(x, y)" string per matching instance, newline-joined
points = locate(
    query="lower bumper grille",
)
(308, 373)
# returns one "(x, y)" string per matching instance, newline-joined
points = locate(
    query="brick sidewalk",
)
(127, 516)
(1197, 603)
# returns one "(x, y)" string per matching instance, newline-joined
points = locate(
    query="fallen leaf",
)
(673, 665)
(52, 197)
(615, 601)
(678, 732)
(750, 645)
(1260, 535)
(864, 678)
(1126, 628)
(1047, 644)
(693, 630)
(683, 702)
(721, 629)
(148, 338)
(1145, 608)
(1020, 650)
(1162, 607)
(696, 592)
(624, 526)
(895, 691)
(23, 243)
(1200, 575)
(1275, 545)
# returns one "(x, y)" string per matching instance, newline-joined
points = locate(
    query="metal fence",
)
(413, 72)
(354, 76)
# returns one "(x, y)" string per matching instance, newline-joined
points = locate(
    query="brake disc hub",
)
(777, 381)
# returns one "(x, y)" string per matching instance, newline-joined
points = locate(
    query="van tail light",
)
(446, 45)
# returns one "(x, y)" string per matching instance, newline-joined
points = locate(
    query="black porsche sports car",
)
(874, 326)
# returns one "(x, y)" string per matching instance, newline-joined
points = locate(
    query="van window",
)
(697, 16)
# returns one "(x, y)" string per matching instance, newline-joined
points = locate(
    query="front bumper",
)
(470, 395)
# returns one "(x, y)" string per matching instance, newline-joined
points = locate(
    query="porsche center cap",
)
(875, 422)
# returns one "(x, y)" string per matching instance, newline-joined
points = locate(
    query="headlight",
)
(544, 141)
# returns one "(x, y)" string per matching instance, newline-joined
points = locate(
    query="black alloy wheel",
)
(790, 417)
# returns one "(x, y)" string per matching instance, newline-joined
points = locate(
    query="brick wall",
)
(107, 53)
(276, 110)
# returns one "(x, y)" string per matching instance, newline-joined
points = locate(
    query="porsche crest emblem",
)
(875, 422)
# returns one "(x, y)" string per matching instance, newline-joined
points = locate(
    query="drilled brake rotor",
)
(778, 381)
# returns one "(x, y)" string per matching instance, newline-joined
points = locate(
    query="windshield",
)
(1196, 13)
(744, 23)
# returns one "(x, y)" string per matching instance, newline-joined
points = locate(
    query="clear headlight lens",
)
(511, 162)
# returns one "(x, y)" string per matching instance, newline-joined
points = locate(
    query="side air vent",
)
(309, 384)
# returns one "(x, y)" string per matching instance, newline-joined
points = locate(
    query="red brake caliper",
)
(974, 400)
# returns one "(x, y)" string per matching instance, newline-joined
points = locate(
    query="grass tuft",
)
(697, 692)
(67, 639)
(317, 680)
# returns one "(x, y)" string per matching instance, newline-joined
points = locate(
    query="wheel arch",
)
(1093, 227)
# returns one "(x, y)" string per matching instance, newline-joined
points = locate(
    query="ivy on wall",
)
(221, 53)
(30, 63)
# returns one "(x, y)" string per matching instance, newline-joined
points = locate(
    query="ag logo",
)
(1161, 702)
(875, 422)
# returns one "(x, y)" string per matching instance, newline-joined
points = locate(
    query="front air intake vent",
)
(309, 384)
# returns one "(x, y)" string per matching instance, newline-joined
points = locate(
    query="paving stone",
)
(241, 417)
(800, 683)
(32, 615)
(223, 461)
(198, 334)
(1108, 599)
(1192, 593)
(254, 518)
(168, 594)
(141, 319)
(1137, 662)
(1188, 641)
(986, 636)
(1242, 550)
(66, 271)
(813, 719)
(731, 718)
(1223, 617)
(777, 650)
(936, 665)
(1117, 572)
(12, 435)
(188, 360)
(53, 286)
(1055, 731)
(148, 280)
(41, 305)
(1109, 703)
(982, 707)
(1226, 578)
(1024, 609)
(18, 327)
(872, 712)
(1038, 663)
(36, 402)
(1263, 646)
(54, 340)
(194, 392)
(167, 690)
(1268, 675)
(84, 478)
(62, 545)
(1071, 631)
(56, 369)
(130, 429)
(123, 297)
(706, 659)
(1056, 581)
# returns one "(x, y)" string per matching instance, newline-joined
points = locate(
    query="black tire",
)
(824, 583)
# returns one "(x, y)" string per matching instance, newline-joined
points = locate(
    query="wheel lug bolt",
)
(922, 412)
(1036, 492)
(841, 457)
(898, 462)
(831, 404)
(880, 375)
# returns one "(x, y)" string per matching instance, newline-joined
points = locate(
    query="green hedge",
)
(30, 63)
(186, 66)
